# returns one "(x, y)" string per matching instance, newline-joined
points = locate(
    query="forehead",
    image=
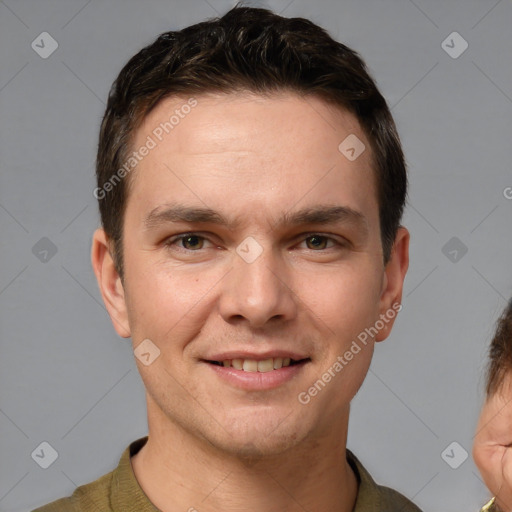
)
(261, 123)
(245, 150)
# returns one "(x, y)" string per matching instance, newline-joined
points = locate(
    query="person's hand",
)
(492, 446)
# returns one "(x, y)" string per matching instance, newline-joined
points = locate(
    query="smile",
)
(257, 374)
(262, 366)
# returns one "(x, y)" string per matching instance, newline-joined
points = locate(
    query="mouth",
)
(261, 366)
(257, 372)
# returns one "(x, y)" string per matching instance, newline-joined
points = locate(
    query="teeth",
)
(251, 365)
(266, 365)
(278, 363)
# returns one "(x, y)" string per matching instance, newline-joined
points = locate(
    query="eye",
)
(188, 241)
(318, 242)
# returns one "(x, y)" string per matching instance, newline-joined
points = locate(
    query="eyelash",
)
(171, 241)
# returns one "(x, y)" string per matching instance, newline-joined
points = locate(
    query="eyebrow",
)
(321, 215)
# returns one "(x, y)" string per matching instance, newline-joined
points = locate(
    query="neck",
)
(179, 471)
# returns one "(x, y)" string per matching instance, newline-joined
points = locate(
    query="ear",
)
(393, 281)
(109, 282)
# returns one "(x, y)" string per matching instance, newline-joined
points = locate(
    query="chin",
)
(258, 439)
(258, 447)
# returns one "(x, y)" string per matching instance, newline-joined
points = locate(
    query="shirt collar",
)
(127, 495)
(368, 491)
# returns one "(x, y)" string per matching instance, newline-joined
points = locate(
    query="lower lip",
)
(257, 380)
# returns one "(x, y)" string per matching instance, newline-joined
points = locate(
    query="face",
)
(251, 242)
(492, 445)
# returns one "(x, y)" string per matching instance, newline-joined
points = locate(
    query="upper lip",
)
(258, 356)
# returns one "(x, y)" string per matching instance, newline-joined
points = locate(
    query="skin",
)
(213, 446)
(492, 446)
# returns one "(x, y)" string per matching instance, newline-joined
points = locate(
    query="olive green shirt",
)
(119, 491)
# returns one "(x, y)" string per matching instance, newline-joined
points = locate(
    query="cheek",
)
(356, 371)
(340, 376)
(345, 298)
(162, 302)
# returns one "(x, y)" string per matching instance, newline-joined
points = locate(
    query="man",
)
(492, 445)
(251, 185)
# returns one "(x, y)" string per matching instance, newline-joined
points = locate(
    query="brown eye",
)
(192, 241)
(316, 242)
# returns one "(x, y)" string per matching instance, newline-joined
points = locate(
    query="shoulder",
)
(391, 499)
(90, 497)
(374, 497)
(117, 490)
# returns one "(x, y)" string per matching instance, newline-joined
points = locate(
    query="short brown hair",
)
(500, 352)
(254, 50)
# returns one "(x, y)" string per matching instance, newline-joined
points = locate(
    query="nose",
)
(258, 292)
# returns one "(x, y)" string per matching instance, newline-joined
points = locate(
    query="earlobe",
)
(109, 282)
(393, 281)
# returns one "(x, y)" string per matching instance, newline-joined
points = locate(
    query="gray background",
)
(69, 380)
